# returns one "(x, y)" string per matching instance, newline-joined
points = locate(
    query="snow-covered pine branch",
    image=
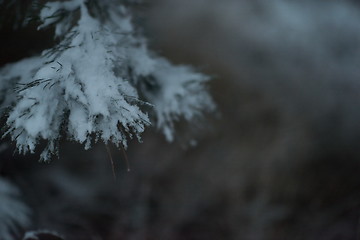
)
(90, 86)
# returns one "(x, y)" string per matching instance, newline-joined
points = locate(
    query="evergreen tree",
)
(99, 82)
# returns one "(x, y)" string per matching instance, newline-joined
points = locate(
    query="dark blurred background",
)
(279, 160)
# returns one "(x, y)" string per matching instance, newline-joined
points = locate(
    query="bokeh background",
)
(278, 160)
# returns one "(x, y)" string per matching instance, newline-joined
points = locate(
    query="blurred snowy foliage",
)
(100, 82)
(14, 214)
(42, 235)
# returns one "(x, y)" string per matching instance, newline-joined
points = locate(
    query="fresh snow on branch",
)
(96, 82)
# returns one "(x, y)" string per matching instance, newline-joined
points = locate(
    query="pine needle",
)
(126, 159)
(111, 161)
